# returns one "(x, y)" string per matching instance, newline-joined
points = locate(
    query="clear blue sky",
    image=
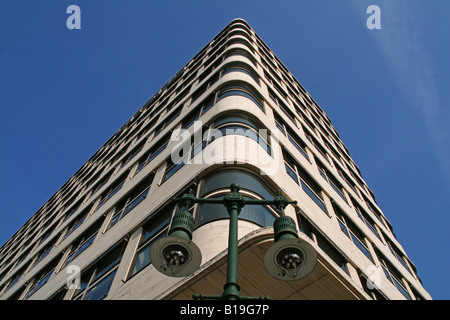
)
(64, 93)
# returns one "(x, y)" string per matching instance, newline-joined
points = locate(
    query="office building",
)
(233, 114)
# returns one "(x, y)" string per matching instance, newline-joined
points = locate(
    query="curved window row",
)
(231, 67)
(235, 88)
(239, 52)
(242, 125)
(228, 68)
(225, 125)
(240, 67)
(234, 25)
(240, 33)
(239, 90)
(239, 41)
(218, 185)
(216, 55)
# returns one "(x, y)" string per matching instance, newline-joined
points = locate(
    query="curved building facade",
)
(233, 113)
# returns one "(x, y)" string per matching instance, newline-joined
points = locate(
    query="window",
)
(288, 113)
(234, 67)
(202, 89)
(152, 153)
(112, 190)
(96, 280)
(301, 177)
(298, 143)
(239, 33)
(83, 242)
(207, 104)
(218, 185)
(132, 154)
(241, 42)
(397, 254)
(242, 125)
(352, 232)
(373, 291)
(16, 278)
(260, 215)
(185, 151)
(292, 137)
(75, 223)
(376, 213)
(119, 154)
(347, 180)
(23, 255)
(200, 110)
(59, 295)
(73, 209)
(148, 125)
(167, 122)
(172, 168)
(190, 119)
(101, 183)
(393, 275)
(240, 90)
(214, 58)
(366, 219)
(46, 250)
(269, 65)
(240, 25)
(153, 230)
(178, 98)
(312, 232)
(280, 124)
(240, 52)
(236, 124)
(356, 240)
(42, 277)
(131, 200)
(316, 145)
(326, 174)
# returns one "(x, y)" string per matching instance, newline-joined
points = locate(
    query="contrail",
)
(400, 43)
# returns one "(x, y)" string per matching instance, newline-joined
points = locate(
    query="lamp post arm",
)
(199, 200)
(279, 201)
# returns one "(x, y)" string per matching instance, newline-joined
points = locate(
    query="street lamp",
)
(289, 258)
(176, 255)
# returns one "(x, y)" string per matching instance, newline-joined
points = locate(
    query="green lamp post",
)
(289, 258)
